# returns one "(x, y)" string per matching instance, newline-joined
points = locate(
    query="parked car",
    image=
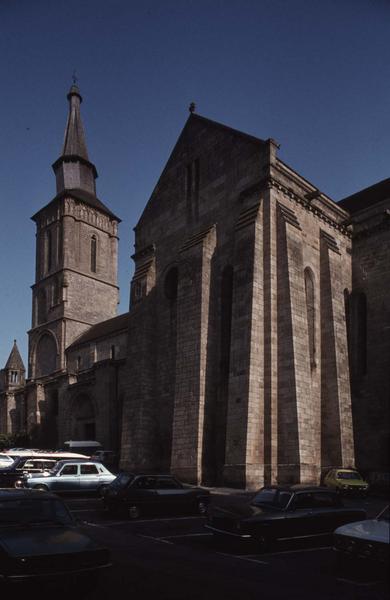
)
(280, 512)
(39, 539)
(6, 460)
(364, 547)
(69, 476)
(32, 462)
(346, 481)
(134, 495)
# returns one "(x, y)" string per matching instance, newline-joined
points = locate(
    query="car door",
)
(142, 492)
(329, 511)
(89, 478)
(171, 495)
(66, 480)
(299, 516)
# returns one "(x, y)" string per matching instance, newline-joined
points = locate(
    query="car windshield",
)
(122, 480)
(384, 515)
(25, 511)
(271, 497)
(348, 475)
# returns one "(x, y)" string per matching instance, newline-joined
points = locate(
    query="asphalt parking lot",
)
(175, 557)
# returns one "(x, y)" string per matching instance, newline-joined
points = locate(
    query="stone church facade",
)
(257, 346)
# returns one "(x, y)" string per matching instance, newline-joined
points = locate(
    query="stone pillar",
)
(270, 339)
(337, 447)
(140, 412)
(244, 459)
(297, 446)
(193, 304)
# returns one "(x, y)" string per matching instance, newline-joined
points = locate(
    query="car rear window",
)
(348, 475)
(272, 497)
(122, 480)
(88, 470)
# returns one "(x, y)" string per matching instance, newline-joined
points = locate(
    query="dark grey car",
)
(39, 539)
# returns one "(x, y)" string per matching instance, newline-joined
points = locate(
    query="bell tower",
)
(76, 255)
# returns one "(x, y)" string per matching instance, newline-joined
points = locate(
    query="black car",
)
(134, 495)
(280, 512)
(39, 539)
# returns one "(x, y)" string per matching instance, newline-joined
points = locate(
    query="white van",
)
(87, 447)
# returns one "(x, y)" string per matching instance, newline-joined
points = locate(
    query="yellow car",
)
(346, 481)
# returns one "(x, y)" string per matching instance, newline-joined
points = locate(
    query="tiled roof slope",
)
(15, 360)
(367, 197)
(103, 329)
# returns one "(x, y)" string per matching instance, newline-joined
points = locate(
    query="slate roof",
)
(81, 196)
(103, 329)
(15, 361)
(367, 197)
(74, 140)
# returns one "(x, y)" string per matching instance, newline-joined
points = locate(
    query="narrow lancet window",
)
(311, 315)
(49, 249)
(93, 253)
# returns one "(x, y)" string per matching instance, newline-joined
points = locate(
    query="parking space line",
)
(298, 551)
(357, 583)
(150, 537)
(168, 537)
(244, 557)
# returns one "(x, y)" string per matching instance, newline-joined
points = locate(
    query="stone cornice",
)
(271, 182)
(147, 251)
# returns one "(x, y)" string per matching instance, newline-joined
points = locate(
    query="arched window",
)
(42, 308)
(49, 250)
(170, 284)
(93, 253)
(311, 315)
(46, 356)
(56, 291)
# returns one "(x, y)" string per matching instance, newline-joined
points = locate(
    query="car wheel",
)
(133, 512)
(41, 487)
(202, 507)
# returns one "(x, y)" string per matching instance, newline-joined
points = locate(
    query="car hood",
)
(241, 510)
(44, 540)
(372, 529)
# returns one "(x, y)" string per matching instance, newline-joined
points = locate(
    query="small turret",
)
(13, 374)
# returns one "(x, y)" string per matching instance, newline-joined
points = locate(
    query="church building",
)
(256, 348)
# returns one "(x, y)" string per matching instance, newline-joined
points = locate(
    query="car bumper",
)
(52, 575)
(243, 536)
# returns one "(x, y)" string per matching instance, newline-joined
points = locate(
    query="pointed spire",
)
(15, 361)
(74, 139)
(73, 168)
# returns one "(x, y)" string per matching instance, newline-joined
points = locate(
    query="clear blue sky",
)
(313, 74)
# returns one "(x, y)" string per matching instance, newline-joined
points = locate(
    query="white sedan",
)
(5, 461)
(364, 546)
